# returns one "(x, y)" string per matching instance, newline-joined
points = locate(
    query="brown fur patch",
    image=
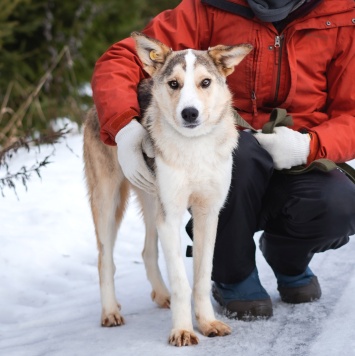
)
(104, 179)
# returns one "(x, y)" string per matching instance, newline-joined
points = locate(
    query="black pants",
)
(300, 215)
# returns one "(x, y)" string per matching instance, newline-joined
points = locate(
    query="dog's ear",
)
(151, 52)
(227, 57)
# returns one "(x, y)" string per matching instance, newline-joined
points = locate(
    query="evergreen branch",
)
(4, 109)
(24, 174)
(26, 143)
(20, 113)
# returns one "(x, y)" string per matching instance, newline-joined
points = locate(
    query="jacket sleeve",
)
(336, 136)
(119, 70)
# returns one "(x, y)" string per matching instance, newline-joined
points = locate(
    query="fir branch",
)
(10, 129)
(24, 174)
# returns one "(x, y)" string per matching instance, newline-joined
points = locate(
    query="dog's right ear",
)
(227, 57)
(151, 52)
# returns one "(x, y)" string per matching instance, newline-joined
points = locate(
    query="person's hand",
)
(288, 148)
(132, 140)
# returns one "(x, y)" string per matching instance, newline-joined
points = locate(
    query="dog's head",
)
(190, 86)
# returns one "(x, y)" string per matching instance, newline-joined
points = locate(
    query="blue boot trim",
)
(294, 281)
(248, 290)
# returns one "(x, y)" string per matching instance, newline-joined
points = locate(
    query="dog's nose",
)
(189, 114)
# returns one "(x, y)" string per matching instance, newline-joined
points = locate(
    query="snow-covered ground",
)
(49, 290)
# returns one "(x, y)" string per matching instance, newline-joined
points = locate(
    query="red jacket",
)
(308, 69)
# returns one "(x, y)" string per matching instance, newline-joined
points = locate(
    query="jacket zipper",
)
(253, 102)
(255, 68)
(278, 54)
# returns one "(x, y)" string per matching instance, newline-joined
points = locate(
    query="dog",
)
(190, 120)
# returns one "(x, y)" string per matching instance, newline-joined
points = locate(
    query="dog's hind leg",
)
(108, 192)
(109, 199)
(160, 293)
(204, 232)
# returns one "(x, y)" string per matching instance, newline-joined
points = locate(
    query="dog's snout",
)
(189, 114)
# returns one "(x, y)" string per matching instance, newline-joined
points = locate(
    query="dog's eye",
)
(206, 83)
(173, 84)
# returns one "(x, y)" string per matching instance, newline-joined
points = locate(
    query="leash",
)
(279, 117)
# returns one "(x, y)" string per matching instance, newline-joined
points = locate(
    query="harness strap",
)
(279, 117)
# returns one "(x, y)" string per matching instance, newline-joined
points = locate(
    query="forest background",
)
(48, 50)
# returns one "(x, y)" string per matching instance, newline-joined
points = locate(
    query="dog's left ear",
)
(227, 57)
(151, 52)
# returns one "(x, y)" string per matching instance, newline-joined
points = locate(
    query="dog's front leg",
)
(204, 232)
(169, 233)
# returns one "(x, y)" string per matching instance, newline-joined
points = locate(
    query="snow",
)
(49, 289)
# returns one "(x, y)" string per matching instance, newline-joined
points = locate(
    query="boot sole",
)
(303, 294)
(245, 310)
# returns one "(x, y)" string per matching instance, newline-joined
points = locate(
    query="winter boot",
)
(246, 300)
(303, 288)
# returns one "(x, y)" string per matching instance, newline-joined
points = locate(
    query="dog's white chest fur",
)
(195, 169)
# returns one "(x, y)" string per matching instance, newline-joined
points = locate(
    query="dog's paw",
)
(162, 299)
(112, 318)
(214, 328)
(180, 337)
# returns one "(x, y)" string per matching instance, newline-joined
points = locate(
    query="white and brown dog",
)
(191, 125)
